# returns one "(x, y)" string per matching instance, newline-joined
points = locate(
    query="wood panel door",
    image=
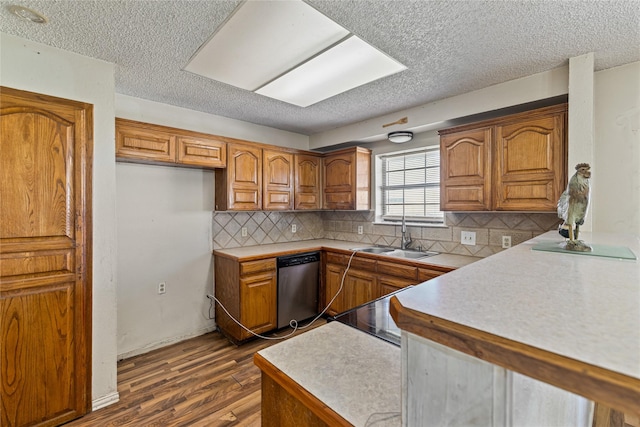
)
(45, 258)
(277, 180)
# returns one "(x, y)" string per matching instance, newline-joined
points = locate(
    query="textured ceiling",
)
(449, 47)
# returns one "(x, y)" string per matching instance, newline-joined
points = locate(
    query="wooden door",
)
(277, 180)
(45, 258)
(465, 169)
(530, 164)
(307, 182)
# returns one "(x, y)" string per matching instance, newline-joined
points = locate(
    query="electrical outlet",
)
(468, 238)
(506, 242)
(293, 228)
(360, 229)
(162, 288)
(243, 231)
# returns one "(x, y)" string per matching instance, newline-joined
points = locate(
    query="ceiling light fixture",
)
(400, 137)
(289, 51)
(28, 14)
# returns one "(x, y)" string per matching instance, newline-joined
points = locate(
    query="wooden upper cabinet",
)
(205, 152)
(307, 182)
(239, 187)
(277, 180)
(514, 163)
(137, 141)
(148, 143)
(465, 170)
(347, 179)
(530, 164)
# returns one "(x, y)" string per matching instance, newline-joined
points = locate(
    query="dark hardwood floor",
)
(204, 381)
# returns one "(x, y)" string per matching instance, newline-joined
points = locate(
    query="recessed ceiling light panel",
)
(289, 51)
(345, 66)
(262, 40)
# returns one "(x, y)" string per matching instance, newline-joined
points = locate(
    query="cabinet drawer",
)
(425, 274)
(339, 259)
(250, 267)
(398, 270)
(363, 263)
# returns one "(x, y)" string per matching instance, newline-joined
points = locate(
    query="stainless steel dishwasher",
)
(298, 287)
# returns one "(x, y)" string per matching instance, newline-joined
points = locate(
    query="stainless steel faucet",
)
(406, 239)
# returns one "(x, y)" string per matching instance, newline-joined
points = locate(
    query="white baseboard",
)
(103, 401)
(164, 343)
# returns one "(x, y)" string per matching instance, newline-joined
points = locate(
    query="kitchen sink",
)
(399, 253)
(410, 254)
(374, 250)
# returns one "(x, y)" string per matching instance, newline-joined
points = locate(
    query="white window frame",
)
(382, 216)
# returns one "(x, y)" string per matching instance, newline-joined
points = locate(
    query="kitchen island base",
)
(447, 387)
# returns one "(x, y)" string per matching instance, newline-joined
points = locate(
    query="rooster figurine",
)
(572, 207)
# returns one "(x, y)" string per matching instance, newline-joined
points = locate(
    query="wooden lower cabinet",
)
(248, 290)
(359, 287)
(369, 278)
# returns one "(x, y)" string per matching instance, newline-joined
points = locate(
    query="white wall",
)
(164, 235)
(38, 68)
(165, 231)
(616, 191)
(435, 115)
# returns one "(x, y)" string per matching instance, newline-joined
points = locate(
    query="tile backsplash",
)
(275, 227)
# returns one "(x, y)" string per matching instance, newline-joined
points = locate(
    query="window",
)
(411, 186)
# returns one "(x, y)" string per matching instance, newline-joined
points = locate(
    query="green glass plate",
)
(607, 251)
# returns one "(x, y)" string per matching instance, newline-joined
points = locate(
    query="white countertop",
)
(276, 249)
(353, 373)
(583, 307)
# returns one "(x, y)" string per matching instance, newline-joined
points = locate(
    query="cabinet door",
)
(359, 287)
(465, 170)
(278, 180)
(307, 182)
(339, 181)
(530, 166)
(258, 303)
(333, 278)
(209, 153)
(136, 142)
(244, 177)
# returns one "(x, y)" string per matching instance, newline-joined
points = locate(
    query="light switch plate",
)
(243, 231)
